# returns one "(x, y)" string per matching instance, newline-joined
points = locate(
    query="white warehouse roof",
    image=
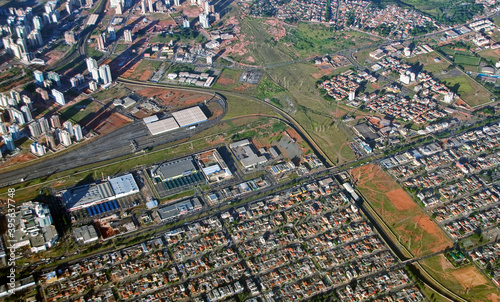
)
(150, 119)
(189, 116)
(124, 185)
(162, 126)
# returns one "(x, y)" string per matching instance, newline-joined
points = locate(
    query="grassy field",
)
(313, 39)
(407, 220)
(460, 279)
(263, 48)
(469, 90)
(240, 107)
(491, 55)
(317, 115)
(460, 59)
(229, 80)
(80, 110)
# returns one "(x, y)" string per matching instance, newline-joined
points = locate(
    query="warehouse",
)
(189, 116)
(162, 126)
(89, 195)
(174, 169)
(173, 211)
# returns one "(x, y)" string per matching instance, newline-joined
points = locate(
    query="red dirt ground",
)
(374, 182)
(146, 75)
(107, 122)
(17, 159)
(469, 276)
(175, 98)
(322, 72)
(494, 297)
(225, 81)
(401, 200)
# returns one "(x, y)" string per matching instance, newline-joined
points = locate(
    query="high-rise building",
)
(95, 74)
(43, 93)
(59, 97)
(150, 6)
(204, 20)
(186, 23)
(65, 138)
(55, 121)
(15, 95)
(39, 76)
(9, 142)
(69, 37)
(119, 9)
(37, 22)
(44, 124)
(105, 74)
(35, 129)
(37, 149)
(209, 60)
(93, 86)
(54, 77)
(14, 131)
(77, 129)
(112, 33)
(91, 63)
(27, 101)
(100, 42)
(128, 35)
(177, 2)
(143, 7)
(68, 126)
(27, 113)
(51, 139)
(3, 128)
(17, 116)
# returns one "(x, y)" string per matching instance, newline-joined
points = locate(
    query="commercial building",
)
(128, 35)
(213, 166)
(189, 116)
(89, 195)
(86, 234)
(244, 151)
(35, 228)
(174, 169)
(176, 210)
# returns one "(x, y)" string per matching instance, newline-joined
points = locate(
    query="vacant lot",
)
(407, 220)
(466, 281)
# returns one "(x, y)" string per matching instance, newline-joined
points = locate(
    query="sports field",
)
(406, 219)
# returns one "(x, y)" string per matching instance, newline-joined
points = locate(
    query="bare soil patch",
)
(469, 277)
(400, 199)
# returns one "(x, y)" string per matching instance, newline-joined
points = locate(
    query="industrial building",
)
(174, 169)
(176, 210)
(189, 116)
(245, 152)
(162, 126)
(97, 193)
(182, 118)
(86, 234)
(213, 166)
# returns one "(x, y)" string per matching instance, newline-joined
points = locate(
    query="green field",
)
(459, 279)
(469, 90)
(80, 110)
(263, 48)
(461, 59)
(313, 39)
